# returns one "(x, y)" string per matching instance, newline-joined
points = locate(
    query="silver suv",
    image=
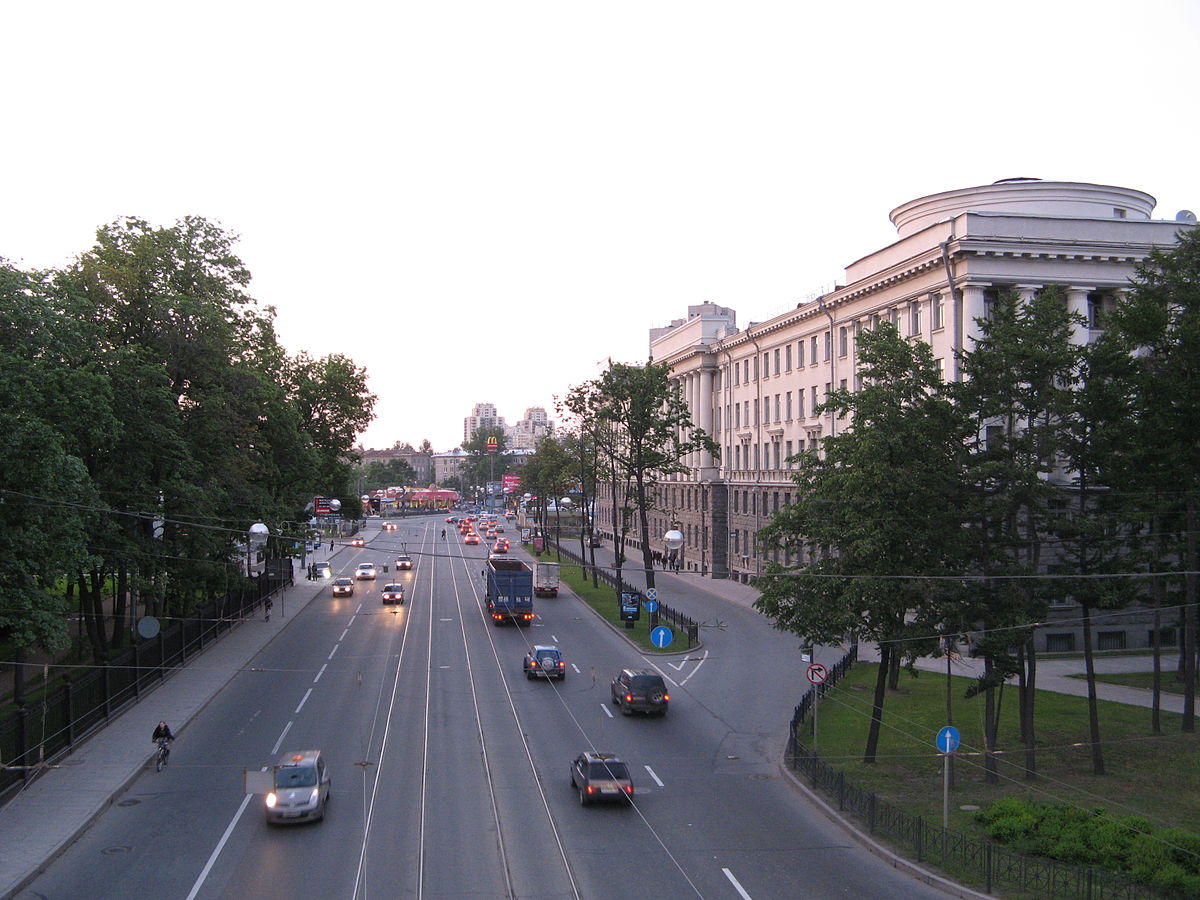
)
(640, 690)
(600, 776)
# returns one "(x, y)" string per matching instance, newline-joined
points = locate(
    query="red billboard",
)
(511, 483)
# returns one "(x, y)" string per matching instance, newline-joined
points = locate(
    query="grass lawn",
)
(1153, 775)
(604, 601)
(1167, 683)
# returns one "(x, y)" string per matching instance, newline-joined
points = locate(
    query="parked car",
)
(544, 661)
(343, 587)
(640, 690)
(601, 776)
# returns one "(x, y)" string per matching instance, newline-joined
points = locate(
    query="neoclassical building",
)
(755, 388)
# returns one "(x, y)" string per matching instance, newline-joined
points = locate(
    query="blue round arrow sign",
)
(651, 605)
(661, 636)
(948, 739)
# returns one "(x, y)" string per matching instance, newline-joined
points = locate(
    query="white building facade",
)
(755, 389)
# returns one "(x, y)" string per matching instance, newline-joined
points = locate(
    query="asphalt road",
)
(450, 768)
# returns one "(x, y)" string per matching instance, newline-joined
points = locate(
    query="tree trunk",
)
(885, 661)
(1029, 698)
(1189, 623)
(1089, 665)
(990, 715)
(894, 669)
(1156, 648)
(120, 628)
(644, 528)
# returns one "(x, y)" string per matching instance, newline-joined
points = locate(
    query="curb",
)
(878, 850)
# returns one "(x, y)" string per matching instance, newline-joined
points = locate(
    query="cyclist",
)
(443, 534)
(163, 733)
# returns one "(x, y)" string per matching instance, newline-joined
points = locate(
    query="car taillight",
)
(629, 698)
(666, 697)
(629, 789)
(562, 663)
(590, 789)
(533, 664)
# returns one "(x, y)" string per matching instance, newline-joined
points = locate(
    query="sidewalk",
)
(43, 820)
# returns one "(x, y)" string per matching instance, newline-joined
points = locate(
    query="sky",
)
(483, 202)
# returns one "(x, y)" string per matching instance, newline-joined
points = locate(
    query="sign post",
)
(947, 742)
(816, 675)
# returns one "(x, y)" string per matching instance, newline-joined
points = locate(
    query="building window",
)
(800, 354)
(777, 408)
(737, 460)
(757, 460)
(857, 382)
(813, 398)
(737, 415)
(737, 374)
(1110, 640)
(746, 371)
(800, 404)
(776, 360)
(787, 357)
(940, 365)
(755, 411)
(766, 411)
(1166, 637)
(777, 466)
(717, 424)
(788, 453)
(1060, 643)
(788, 406)
(843, 341)
(894, 317)
(841, 384)
(914, 316)
(936, 312)
(874, 321)
(828, 345)
(812, 350)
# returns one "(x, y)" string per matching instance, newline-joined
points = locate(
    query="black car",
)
(640, 690)
(600, 776)
(546, 662)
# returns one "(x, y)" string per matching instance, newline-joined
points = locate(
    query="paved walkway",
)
(41, 821)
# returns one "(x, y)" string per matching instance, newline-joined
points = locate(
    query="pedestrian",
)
(267, 608)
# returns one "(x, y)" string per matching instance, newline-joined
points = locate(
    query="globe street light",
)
(673, 541)
(255, 537)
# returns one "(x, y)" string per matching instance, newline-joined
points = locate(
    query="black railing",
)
(42, 730)
(990, 864)
(665, 613)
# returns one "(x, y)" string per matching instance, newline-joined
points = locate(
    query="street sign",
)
(661, 636)
(651, 593)
(947, 739)
(651, 603)
(816, 673)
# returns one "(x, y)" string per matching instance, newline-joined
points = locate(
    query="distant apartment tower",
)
(528, 432)
(483, 415)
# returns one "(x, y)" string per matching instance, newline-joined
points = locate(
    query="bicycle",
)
(160, 758)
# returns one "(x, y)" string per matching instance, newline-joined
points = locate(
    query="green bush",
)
(1165, 858)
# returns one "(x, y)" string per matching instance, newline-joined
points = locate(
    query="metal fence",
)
(927, 842)
(665, 613)
(40, 731)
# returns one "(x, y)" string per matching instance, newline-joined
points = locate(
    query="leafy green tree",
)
(877, 516)
(1019, 392)
(481, 466)
(1159, 324)
(656, 432)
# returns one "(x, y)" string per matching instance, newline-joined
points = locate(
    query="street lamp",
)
(255, 537)
(673, 541)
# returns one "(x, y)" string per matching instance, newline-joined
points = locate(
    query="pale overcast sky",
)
(481, 201)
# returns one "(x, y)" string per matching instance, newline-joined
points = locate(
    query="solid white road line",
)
(737, 887)
(220, 846)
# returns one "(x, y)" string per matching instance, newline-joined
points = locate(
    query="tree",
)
(877, 515)
(655, 431)
(1018, 390)
(1159, 324)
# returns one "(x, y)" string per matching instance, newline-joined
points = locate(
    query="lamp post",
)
(673, 541)
(256, 537)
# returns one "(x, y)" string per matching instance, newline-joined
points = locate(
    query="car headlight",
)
(316, 792)
(271, 800)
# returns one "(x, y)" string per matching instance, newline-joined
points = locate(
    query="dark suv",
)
(600, 776)
(640, 690)
(544, 661)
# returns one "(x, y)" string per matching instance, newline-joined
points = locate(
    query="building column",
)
(1077, 302)
(704, 400)
(1026, 293)
(973, 308)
